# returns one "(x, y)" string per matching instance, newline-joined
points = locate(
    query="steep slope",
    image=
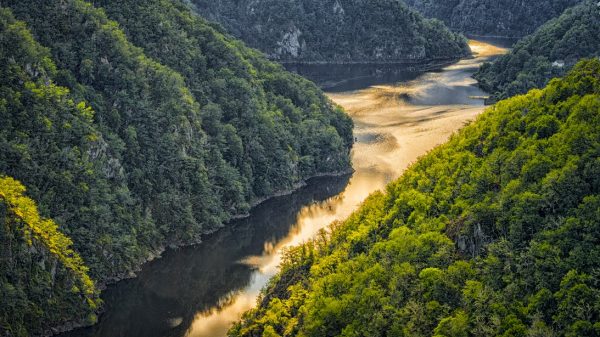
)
(248, 91)
(336, 31)
(493, 234)
(503, 18)
(43, 279)
(129, 155)
(550, 52)
(48, 137)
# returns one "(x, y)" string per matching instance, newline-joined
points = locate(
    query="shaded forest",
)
(336, 31)
(130, 143)
(502, 18)
(550, 52)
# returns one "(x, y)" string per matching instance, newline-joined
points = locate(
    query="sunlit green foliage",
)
(493, 234)
(45, 231)
(168, 156)
(336, 30)
(550, 52)
(33, 297)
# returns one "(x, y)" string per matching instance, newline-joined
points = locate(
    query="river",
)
(199, 291)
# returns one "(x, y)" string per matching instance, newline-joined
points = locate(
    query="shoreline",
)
(429, 65)
(475, 36)
(157, 254)
(414, 64)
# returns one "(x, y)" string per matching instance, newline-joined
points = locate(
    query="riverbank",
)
(417, 63)
(159, 252)
(208, 286)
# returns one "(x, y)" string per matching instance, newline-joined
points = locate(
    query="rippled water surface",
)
(199, 291)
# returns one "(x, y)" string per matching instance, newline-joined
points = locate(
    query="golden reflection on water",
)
(395, 124)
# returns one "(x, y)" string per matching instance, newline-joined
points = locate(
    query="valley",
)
(201, 291)
(299, 168)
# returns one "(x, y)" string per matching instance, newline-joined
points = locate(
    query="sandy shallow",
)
(397, 123)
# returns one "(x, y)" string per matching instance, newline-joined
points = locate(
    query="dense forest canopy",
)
(34, 247)
(495, 233)
(336, 30)
(129, 126)
(139, 133)
(500, 18)
(550, 52)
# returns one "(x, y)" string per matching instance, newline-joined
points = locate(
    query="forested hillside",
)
(45, 135)
(501, 18)
(336, 31)
(43, 279)
(550, 52)
(495, 233)
(135, 136)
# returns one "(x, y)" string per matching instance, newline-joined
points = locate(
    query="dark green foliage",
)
(133, 137)
(337, 31)
(49, 142)
(495, 233)
(550, 52)
(243, 92)
(502, 18)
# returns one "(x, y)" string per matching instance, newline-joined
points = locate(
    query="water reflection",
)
(217, 278)
(398, 122)
(199, 291)
(346, 77)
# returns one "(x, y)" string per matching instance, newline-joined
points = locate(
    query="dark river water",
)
(200, 291)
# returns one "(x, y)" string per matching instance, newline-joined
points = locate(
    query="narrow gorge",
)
(396, 121)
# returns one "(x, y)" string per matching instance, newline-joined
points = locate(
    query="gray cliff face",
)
(289, 45)
(336, 31)
(501, 18)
